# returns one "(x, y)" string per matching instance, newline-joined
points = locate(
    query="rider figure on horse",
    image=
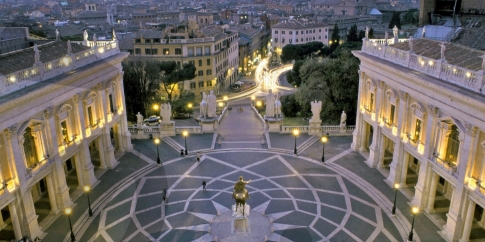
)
(240, 187)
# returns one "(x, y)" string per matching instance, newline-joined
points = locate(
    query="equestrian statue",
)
(240, 193)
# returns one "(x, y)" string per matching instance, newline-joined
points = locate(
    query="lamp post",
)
(185, 134)
(155, 108)
(225, 98)
(393, 212)
(68, 212)
(295, 133)
(87, 189)
(157, 141)
(190, 106)
(324, 140)
(252, 99)
(415, 211)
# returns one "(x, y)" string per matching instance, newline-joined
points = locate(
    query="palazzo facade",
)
(421, 121)
(62, 121)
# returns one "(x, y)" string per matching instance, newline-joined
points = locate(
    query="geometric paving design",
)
(303, 205)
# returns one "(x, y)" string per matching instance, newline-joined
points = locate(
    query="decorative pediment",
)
(90, 98)
(392, 95)
(64, 111)
(418, 109)
(34, 124)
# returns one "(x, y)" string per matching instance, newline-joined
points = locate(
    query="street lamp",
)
(87, 189)
(393, 212)
(252, 99)
(68, 212)
(185, 134)
(155, 107)
(295, 133)
(225, 98)
(415, 211)
(157, 141)
(324, 140)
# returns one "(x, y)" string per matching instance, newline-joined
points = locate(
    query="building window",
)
(209, 83)
(371, 101)
(208, 62)
(180, 86)
(137, 51)
(283, 40)
(166, 51)
(110, 100)
(178, 51)
(302, 32)
(200, 73)
(319, 30)
(192, 85)
(276, 31)
(453, 145)
(192, 62)
(90, 116)
(201, 84)
(208, 72)
(207, 50)
(148, 51)
(147, 41)
(30, 149)
(291, 32)
(65, 132)
(156, 40)
(417, 130)
(392, 114)
(282, 32)
(200, 62)
(319, 37)
(137, 40)
(296, 40)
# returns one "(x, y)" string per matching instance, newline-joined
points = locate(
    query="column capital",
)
(99, 86)
(48, 112)
(403, 95)
(75, 98)
(11, 130)
(471, 130)
(381, 84)
(433, 110)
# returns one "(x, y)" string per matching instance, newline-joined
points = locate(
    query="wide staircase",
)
(241, 128)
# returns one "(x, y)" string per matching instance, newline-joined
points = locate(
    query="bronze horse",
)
(240, 193)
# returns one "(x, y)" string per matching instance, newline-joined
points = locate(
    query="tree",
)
(293, 76)
(345, 47)
(361, 35)
(301, 51)
(353, 35)
(395, 20)
(170, 74)
(335, 38)
(180, 104)
(140, 84)
(289, 53)
(334, 82)
(289, 106)
(411, 16)
(371, 33)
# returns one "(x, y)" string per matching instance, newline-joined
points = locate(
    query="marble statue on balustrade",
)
(165, 113)
(423, 33)
(443, 48)
(394, 31)
(366, 32)
(36, 54)
(277, 106)
(114, 35)
(386, 36)
(410, 44)
(316, 108)
(57, 35)
(85, 35)
(139, 120)
(270, 101)
(343, 122)
(69, 47)
(211, 105)
(203, 106)
(95, 40)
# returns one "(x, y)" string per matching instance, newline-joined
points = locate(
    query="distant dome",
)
(375, 12)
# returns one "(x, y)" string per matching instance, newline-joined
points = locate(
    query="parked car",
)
(152, 120)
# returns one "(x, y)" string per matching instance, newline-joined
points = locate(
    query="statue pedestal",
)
(140, 134)
(343, 128)
(238, 213)
(208, 125)
(167, 129)
(253, 227)
(315, 128)
(274, 124)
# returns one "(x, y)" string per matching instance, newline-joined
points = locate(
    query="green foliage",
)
(300, 52)
(335, 38)
(395, 20)
(353, 35)
(38, 33)
(289, 106)
(361, 35)
(346, 47)
(170, 74)
(334, 82)
(411, 16)
(140, 85)
(293, 76)
(180, 104)
(371, 33)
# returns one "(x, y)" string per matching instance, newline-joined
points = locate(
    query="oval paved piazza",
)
(305, 200)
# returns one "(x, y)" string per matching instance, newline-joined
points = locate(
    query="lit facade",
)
(61, 118)
(422, 124)
(296, 32)
(215, 57)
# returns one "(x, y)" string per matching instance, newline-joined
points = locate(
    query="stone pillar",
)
(51, 193)
(404, 171)
(467, 228)
(359, 123)
(14, 216)
(382, 148)
(123, 129)
(453, 225)
(432, 192)
(29, 222)
(60, 189)
(398, 154)
(107, 149)
(376, 148)
(83, 156)
(17, 162)
(2, 223)
(79, 172)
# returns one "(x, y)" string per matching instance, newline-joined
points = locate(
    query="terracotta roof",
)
(455, 54)
(22, 59)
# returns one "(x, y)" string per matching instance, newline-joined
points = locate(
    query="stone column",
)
(14, 216)
(467, 228)
(124, 134)
(398, 154)
(29, 221)
(359, 123)
(106, 148)
(404, 172)
(376, 148)
(17, 158)
(83, 156)
(79, 172)
(382, 150)
(60, 185)
(452, 229)
(51, 193)
(432, 192)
